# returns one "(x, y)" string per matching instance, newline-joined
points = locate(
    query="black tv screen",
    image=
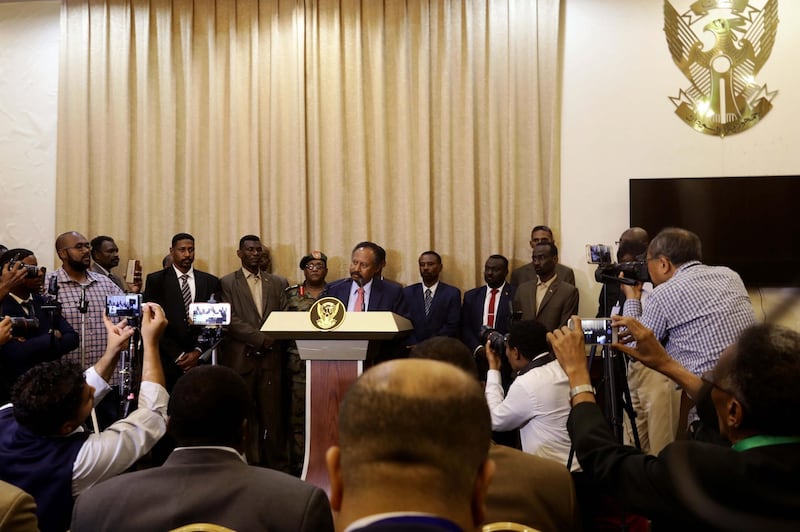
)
(749, 224)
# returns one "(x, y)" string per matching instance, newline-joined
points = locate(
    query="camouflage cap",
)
(314, 255)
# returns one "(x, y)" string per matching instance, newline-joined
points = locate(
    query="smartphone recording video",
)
(597, 331)
(205, 314)
(125, 306)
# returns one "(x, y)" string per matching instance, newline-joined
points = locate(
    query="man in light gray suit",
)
(547, 299)
(253, 294)
(205, 479)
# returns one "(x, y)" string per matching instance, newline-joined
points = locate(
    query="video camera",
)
(633, 272)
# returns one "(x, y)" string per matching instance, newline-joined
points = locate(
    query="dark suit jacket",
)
(162, 287)
(116, 279)
(445, 314)
(203, 486)
(244, 333)
(691, 485)
(17, 357)
(472, 314)
(527, 273)
(531, 490)
(560, 302)
(384, 295)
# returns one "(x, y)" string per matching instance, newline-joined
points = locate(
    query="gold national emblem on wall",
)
(723, 97)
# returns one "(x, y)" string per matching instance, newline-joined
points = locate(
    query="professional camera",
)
(632, 272)
(31, 271)
(496, 340)
(24, 327)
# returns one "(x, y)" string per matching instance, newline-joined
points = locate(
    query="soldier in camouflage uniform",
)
(300, 297)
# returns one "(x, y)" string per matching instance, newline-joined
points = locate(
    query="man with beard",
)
(174, 288)
(105, 257)
(547, 299)
(82, 294)
(253, 295)
(435, 306)
(365, 291)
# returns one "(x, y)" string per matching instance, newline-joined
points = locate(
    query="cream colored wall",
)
(29, 40)
(618, 123)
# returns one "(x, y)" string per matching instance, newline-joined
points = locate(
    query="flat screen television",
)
(750, 224)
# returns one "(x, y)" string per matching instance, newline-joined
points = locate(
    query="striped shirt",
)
(696, 314)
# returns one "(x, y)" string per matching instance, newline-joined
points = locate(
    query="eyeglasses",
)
(314, 267)
(86, 246)
(708, 378)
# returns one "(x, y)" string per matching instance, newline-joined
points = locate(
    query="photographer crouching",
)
(39, 333)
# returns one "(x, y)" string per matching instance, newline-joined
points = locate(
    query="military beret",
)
(314, 255)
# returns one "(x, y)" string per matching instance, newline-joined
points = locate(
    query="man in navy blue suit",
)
(435, 306)
(365, 291)
(480, 308)
(367, 260)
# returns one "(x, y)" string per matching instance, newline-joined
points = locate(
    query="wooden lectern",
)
(334, 360)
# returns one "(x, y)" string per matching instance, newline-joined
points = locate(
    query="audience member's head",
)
(678, 245)
(635, 234)
(525, 340)
(671, 248)
(413, 436)
(208, 406)
(755, 381)
(29, 285)
(52, 399)
(446, 349)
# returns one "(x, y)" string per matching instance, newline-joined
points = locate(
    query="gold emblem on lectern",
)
(723, 97)
(327, 313)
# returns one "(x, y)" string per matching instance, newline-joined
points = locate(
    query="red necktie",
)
(490, 317)
(359, 306)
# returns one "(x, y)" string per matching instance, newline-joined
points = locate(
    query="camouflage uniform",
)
(300, 301)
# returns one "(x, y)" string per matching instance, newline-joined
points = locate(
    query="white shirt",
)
(496, 303)
(115, 449)
(538, 405)
(431, 288)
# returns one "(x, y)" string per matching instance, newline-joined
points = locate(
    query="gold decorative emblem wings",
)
(723, 97)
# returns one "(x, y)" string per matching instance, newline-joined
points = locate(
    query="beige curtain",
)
(313, 123)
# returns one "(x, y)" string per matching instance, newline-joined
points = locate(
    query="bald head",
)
(74, 251)
(410, 421)
(635, 234)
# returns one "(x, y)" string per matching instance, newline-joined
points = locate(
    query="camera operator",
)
(38, 334)
(14, 276)
(695, 310)
(537, 402)
(44, 448)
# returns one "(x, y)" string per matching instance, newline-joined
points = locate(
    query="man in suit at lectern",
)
(365, 291)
